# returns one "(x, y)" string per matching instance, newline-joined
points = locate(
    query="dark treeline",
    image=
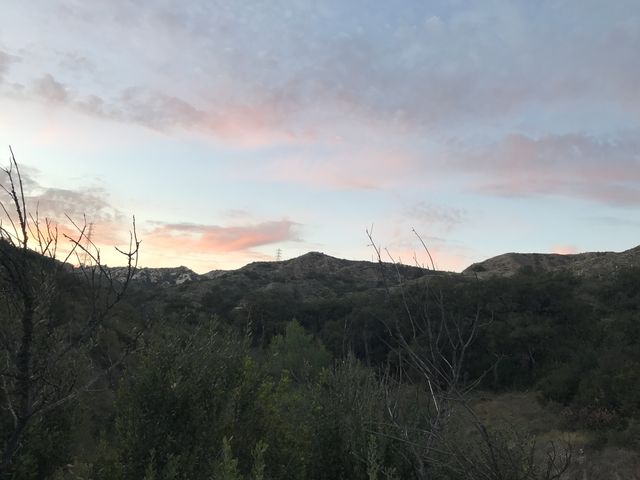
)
(575, 339)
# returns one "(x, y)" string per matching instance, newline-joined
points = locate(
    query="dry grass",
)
(521, 411)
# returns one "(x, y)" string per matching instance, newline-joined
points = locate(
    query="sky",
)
(236, 129)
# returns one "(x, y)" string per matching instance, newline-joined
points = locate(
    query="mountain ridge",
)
(317, 264)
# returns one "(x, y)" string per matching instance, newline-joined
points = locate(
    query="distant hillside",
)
(581, 264)
(360, 275)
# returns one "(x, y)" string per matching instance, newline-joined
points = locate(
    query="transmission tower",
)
(278, 255)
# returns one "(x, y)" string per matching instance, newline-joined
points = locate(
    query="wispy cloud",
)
(567, 165)
(196, 238)
(238, 124)
(157, 110)
(5, 62)
(50, 90)
(135, 105)
(75, 62)
(423, 213)
(90, 203)
(64, 206)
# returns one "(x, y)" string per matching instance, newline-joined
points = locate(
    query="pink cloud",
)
(569, 165)
(250, 126)
(194, 238)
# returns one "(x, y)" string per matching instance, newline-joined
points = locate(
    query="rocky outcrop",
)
(161, 277)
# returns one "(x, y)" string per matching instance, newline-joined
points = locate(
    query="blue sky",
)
(231, 129)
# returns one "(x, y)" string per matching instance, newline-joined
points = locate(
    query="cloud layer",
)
(288, 69)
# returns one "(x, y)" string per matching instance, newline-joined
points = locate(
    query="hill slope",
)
(581, 264)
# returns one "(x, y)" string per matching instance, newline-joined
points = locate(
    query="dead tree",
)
(41, 368)
(431, 345)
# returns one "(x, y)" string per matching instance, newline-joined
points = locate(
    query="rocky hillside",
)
(581, 264)
(159, 277)
(312, 275)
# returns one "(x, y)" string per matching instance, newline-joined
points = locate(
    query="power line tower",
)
(278, 255)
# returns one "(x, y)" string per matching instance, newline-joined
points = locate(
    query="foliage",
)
(178, 405)
(297, 353)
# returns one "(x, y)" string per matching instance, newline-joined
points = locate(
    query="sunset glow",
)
(234, 129)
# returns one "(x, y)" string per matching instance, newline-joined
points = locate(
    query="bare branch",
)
(42, 354)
